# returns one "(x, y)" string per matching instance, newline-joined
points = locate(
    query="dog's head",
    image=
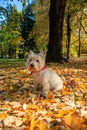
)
(35, 61)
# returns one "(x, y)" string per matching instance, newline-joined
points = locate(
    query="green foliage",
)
(9, 33)
(27, 23)
(77, 10)
(32, 31)
(41, 28)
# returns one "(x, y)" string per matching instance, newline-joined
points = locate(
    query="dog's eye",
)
(37, 60)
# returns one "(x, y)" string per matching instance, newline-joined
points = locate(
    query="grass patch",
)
(5, 63)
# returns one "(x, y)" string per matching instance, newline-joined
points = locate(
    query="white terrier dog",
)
(42, 75)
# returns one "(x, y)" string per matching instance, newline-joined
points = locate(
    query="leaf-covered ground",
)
(23, 109)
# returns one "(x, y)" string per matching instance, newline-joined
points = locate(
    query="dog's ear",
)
(31, 52)
(42, 54)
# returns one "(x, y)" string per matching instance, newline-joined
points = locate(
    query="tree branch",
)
(83, 27)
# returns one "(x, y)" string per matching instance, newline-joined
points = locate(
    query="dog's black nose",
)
(32, 65)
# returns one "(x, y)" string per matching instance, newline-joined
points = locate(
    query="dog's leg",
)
(45, 88)
(36, 86)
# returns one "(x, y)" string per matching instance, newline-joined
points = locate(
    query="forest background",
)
(21, 31)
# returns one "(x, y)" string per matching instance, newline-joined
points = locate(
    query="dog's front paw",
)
(44, 94)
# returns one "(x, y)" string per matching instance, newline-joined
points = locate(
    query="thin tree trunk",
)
(56, 18)
(79, 47)
(9, 51)
(2, 55)
(68, 34)
(15, 52)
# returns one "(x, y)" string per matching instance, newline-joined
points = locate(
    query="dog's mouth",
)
(32, 69)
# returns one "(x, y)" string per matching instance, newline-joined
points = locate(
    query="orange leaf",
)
(73, 121)
(66, 91)
(83, 127)
(67, 119)
(61, 105)
(76, 122)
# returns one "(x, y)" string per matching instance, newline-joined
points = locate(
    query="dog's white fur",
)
(46, 77)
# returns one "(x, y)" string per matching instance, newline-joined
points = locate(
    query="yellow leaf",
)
(83, 87)
(11, 88)
(25, 119)
(80, 102)
(32, 125)
(42, 126)
(3, 115)
(67, 119)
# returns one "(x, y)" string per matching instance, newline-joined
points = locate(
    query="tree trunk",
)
(79, 47)
(56, 18)
(9, 51)
(15, 52)
(2, 55)
(79, 35)
(68, 34)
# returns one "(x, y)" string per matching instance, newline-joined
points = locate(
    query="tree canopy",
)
(31, 29)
